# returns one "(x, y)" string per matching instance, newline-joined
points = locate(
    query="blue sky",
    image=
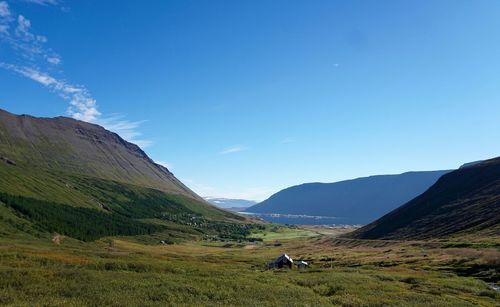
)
(244, 98)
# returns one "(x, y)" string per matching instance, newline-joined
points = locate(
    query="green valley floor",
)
(133, 271)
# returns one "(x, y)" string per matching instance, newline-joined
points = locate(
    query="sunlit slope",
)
(66, 145)
(66, 176)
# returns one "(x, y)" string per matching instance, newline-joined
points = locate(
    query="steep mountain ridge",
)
(356, 201)
(461, 203)
(73, 146)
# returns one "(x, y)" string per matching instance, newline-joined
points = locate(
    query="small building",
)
(301, 264)
(283, 261)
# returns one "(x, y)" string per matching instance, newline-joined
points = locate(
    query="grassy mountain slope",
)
(78, 179)
(356, 201)
(77, 147)
(461, 203)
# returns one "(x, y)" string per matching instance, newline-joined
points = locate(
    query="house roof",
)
(284, 256)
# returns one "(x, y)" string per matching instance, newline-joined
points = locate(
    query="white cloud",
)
(44, 2)
(249, 193)
(41, 38)
(165, 164)
(33, 74)
(26, 46)
(5, 18)
(36, 61)
(125, 128)
(82, 105)
(4, 9)
(23, 26)
(54, 60)
(233, 149)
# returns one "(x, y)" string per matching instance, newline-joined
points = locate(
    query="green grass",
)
(81, 223)
(84, 191)
(89, 224)
(119, 272)
(276, 233)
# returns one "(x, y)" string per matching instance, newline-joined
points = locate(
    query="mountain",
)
(230, 203)
(78, 147)
(357, 201)
(79, 179)
(464, 202)
(470, 164)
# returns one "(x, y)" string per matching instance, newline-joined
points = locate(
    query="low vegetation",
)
(83, 191)
(215, 230)
(80, 223)
(118, 271)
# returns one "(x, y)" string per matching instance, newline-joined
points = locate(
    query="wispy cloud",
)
(54, 60)
(248, 193)
(233, 149)
(287, 140)
(82, 105)
(34, 60)
(125, 128)
(44, 2)
(29, 47)
(5, 18)
(165, 164)
(4, 9)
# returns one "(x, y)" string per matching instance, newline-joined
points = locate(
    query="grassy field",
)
(277, 233)
(118, 271)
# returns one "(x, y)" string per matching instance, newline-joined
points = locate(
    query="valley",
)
(249, 153)
(137, 271)
(88, 219)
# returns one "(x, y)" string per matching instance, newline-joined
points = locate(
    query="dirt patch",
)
(56, 238)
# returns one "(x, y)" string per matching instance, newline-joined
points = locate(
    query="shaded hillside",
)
(463, 202)
(356, 201)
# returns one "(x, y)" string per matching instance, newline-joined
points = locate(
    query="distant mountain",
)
(461, 203)
(228, 203)
(357, 201)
